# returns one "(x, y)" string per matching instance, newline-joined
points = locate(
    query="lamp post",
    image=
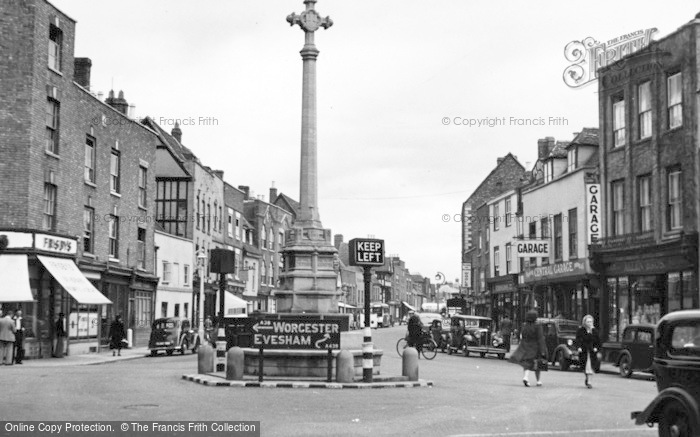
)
(201, 262)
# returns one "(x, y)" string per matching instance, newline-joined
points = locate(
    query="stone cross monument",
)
(309, 279)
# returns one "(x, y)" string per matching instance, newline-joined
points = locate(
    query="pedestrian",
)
(116, 335)
(506, 331)
(588, 342)
(19, 337)
(208, 329)
(415, 330)
(60, 336)
(7, 338)
(531, 350)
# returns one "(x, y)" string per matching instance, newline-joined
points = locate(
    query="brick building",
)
(648, 110)
(79, 187)
(507, 175)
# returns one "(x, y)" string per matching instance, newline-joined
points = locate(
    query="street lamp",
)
(201, 262)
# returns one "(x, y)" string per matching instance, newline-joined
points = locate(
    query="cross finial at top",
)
(309, 20)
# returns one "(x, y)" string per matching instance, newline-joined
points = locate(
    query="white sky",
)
(388, 72)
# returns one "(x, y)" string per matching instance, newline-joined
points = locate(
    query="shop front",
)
(566, 290)
(504, 299)
(44, 282)
(642, 288)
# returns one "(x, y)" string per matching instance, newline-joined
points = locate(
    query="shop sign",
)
(593, 212)
(532, 248)
(504, 288)
(646, 266)
(557, 270)
(467, 275)
(18, 240)
(51, 243)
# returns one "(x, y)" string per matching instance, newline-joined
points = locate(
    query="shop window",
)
(143, 309)
(612, 309)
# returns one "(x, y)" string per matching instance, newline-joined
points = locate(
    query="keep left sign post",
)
(367, 253)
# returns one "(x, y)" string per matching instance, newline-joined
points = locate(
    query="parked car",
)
(635, 351)
(560, 336)
(478, 336)
(172, 334)
(676, 364)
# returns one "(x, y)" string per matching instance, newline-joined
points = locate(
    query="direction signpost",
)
(367, 253)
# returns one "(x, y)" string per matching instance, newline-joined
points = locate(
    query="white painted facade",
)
(503, 229)
(175, 270)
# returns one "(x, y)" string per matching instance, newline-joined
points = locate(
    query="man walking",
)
(506, 331)
(19, 337)
(7, 339)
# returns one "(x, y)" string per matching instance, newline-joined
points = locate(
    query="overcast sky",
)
(388, 73)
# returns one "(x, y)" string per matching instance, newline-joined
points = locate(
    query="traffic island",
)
(218, 379)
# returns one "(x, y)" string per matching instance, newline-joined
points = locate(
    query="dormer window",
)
(571, 159)
(548, 170)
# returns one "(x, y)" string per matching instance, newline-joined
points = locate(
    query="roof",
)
(559, 150)
(501, 163)
(587, 137)
(292, 205)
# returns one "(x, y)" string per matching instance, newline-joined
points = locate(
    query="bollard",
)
(221, 350)
(330, 366)
(205, 359)
(345, 366)
(410, 363)
(235, 364)
(130, 337)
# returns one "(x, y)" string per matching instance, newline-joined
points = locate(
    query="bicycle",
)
(428, 348)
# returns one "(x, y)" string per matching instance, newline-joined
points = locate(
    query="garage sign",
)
(532, 248)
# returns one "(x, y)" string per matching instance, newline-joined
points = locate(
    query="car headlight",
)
(477, 334)
(469, 337)
(569, 342)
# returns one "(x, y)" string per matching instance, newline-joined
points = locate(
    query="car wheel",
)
(184, 347)
(482, 354)
(466, 351)
(675, 420)
(501, 356)
(154, 353)
(625, 366)
(170, 351)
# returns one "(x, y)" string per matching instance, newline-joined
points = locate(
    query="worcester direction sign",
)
(276, 331)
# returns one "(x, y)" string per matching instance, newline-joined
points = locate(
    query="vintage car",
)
(635, 352)
(676, 364)
(476, 335)
(172, 334)
(559, 336)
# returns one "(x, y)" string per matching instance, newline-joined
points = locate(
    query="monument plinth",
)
(308, 281)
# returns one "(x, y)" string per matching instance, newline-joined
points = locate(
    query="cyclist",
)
(415, 330)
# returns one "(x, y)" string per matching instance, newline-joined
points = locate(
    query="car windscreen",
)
(568, 328)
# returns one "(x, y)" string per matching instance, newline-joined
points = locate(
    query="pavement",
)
(87, 359)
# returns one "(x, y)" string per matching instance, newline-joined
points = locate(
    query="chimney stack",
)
(81, 73)
(118, 103)
(337, 240)
(219, 173)
(273, 192)
(542, 148)
(177, 132)
(246, 191)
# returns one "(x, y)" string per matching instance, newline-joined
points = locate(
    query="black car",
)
(676, 364)
(477, 336)
(559, 336)
(170, 334)
(636, 350)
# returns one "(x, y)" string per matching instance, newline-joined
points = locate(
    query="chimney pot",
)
(177, 132)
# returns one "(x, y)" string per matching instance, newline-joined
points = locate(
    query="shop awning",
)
(15, 279)
(75, 283)
(234, 305)
(409, 306)
(344, 305)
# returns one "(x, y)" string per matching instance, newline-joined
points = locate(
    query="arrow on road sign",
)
(257, 327)
(325, 337)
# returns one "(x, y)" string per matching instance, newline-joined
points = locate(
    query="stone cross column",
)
(309, 21)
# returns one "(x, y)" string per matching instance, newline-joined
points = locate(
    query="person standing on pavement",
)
(60, 336)
(506, 331)
(116, 335)
(19, 337)
(588, 342)
(531, 349)
(7, 338)
(415, 330)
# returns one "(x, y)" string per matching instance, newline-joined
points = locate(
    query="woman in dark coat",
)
(531, 348)
(116, 335)
(588, 342)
